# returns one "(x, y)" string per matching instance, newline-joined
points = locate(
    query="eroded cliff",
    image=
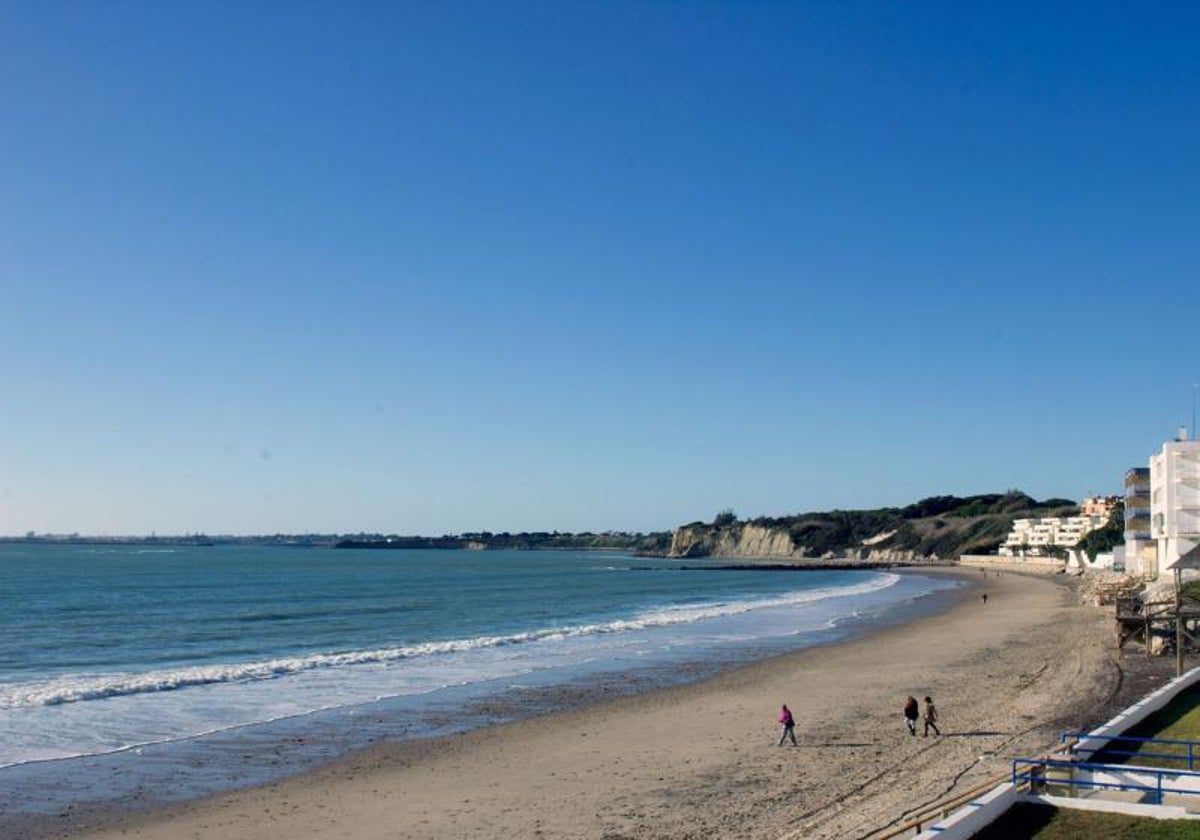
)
(738, 540)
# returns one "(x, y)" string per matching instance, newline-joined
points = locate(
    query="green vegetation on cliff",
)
(939, 526)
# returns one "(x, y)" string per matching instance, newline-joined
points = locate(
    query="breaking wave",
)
(82, 688)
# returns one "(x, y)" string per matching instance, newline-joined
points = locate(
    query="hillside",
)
(936, 527)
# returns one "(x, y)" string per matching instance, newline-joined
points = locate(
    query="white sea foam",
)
(96, 687)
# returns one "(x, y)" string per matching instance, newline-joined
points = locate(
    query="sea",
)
(184, 670)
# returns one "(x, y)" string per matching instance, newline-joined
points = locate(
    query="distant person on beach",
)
(931, 717)
(912, 711)
(789, 726)
(984, 596)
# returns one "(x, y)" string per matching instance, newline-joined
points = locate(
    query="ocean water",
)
(107, 649)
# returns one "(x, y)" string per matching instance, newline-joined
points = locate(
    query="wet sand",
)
(701, 760)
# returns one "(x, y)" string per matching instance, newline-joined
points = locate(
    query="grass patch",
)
(1044, 822)
(1179, 720)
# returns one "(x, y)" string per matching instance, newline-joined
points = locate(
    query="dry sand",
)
(701, 761)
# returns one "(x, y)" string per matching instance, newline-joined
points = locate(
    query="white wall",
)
(1033, 564)
(974, 816)
(1175, 500)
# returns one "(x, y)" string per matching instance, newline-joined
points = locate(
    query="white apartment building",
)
(1174, 501)
(1032, 537)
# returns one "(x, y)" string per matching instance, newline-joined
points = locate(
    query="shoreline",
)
(108, 788)
(747, 564)
(699, 759)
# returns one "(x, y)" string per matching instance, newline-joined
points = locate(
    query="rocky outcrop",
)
(693, 541)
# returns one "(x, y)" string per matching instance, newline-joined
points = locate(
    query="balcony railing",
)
(1038, 775)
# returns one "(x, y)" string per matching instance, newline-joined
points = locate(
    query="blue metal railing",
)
(1036, 769)
(1110, 742)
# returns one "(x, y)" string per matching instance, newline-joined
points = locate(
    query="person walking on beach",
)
(789, 726)
(931, 717)
(984, 596)
(912, 710)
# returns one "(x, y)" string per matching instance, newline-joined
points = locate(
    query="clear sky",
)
(441, 267)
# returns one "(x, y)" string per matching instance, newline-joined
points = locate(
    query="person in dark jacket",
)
(912, 710)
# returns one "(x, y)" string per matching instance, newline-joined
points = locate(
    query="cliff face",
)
(757, 541)
(692, 541)
(739, 540)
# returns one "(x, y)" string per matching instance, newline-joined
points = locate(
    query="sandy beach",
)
(701, 760)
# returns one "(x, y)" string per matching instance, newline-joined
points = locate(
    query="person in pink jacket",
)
(789, 726)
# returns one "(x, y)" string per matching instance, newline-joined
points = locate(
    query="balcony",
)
(1188, 523)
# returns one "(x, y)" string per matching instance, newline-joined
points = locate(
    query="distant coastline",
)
(936, 528)
(172, 540)
(653, 543)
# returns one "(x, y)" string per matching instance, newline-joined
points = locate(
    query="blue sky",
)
(436, 267)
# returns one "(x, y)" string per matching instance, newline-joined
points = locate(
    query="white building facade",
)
(1035, 537)
(1175, 500)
